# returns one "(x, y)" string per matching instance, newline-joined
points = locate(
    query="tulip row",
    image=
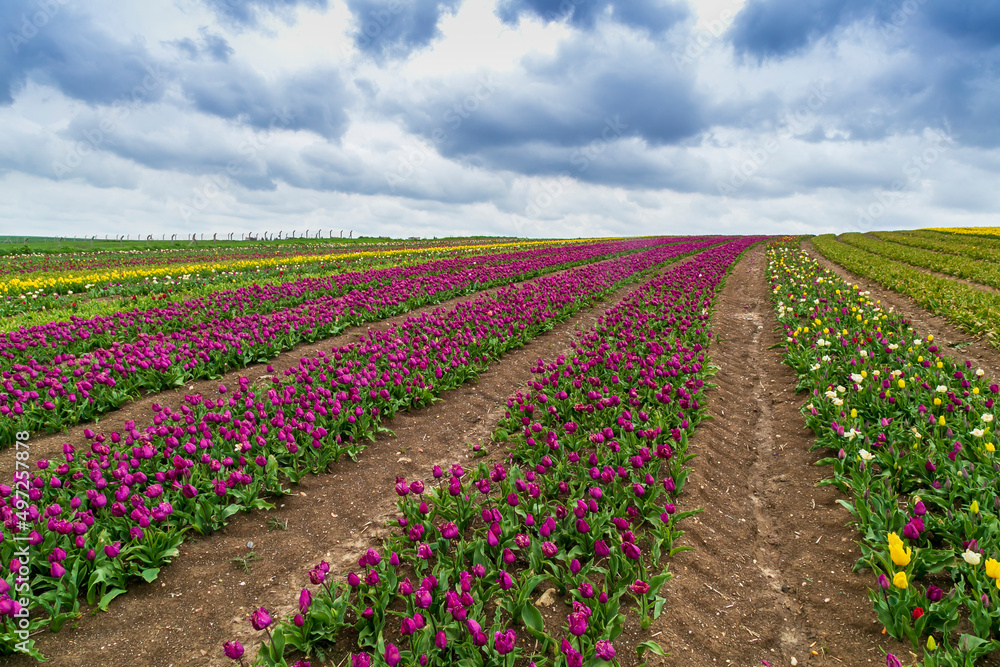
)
(24, 264)
(79, 280)
(40, 308)
(953, 244)
(69, 372)
(597, 448)
(985, 232)
(913, 432)
(971, 309)
(979, 271)
(118, 508)
(151, 276)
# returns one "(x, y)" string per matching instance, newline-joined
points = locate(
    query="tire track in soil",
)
(946, 334)
(200, 600)
(49, 445)
(769, 576)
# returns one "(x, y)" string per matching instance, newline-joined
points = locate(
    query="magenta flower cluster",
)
(586, 504)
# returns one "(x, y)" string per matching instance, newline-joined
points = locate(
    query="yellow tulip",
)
(931, 644)
(941, 420)
(974, 507)
(990, 447)
(992, 568)
(899, 555)
(899, 581)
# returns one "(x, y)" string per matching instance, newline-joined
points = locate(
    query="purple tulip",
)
(423, 599)
(392, 656)
(631, 551)
(573, 657)
(233, 650)
(601, 549)
(505, 581)
(604, 650)
(260, 619)
(504, 642)
(577, 622)
(305, 599)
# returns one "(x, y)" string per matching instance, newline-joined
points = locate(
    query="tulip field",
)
(550, 541)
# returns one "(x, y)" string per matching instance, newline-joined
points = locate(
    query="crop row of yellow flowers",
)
(980, 231)
(84, 280)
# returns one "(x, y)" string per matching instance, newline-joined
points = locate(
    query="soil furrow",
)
(770, 574)
(201, 599)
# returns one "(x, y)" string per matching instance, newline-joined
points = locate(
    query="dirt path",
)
(978, 351)
(770, 574)
(201, 599)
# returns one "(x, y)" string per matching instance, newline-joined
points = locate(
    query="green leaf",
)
(108, 597)
(650, 646)
(150, 574)
(532, 618)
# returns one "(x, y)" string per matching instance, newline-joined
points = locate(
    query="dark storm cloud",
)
(950, 77)
(248, 13)
(394, 28)
(567, 100)
(54, 44)
(312, 100)
(655, 16)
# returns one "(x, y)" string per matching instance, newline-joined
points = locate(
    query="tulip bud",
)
(233, 650)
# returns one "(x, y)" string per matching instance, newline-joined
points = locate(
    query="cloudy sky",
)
(521, 117)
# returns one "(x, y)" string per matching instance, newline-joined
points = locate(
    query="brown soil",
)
(202, 599)
(770, 576)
